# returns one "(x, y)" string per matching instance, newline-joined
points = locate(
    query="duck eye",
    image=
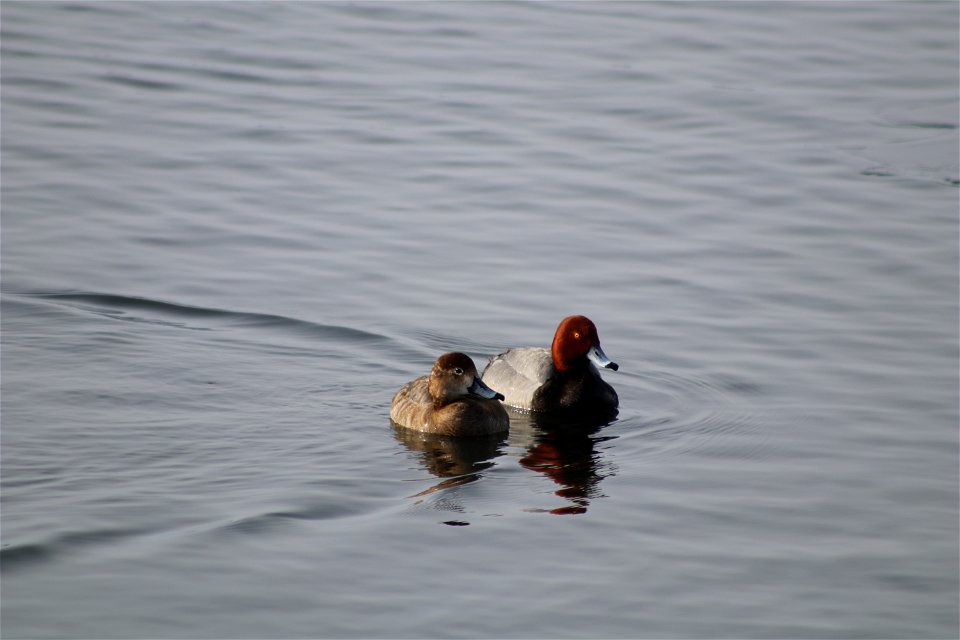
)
(576, 335)
(458, 371)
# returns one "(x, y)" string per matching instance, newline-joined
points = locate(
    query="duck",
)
(561, 380)
(452, 401)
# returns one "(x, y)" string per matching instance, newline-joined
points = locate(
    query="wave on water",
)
(698, 415)
(136, 309)
(18, 556)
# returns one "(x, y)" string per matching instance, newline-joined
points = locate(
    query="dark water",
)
(230, 232)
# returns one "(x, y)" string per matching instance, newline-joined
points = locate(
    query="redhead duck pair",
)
(563, 380)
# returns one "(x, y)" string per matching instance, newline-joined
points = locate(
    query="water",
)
(232, 231)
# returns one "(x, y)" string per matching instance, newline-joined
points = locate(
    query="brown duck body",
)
(412, 407)
(447, 402)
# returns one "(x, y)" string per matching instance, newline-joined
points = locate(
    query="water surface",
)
(232, 231)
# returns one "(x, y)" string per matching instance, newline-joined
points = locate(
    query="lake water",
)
(230, 232)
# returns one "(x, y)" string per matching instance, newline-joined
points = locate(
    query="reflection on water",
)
(566, 453)
(457, 460)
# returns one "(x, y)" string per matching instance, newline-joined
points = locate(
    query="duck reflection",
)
(566, 453)
(457, 460)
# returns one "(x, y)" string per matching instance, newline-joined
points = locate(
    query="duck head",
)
(454, 376)
(575, 342)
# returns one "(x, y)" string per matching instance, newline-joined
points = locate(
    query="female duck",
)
(451, 401)
(561, 379)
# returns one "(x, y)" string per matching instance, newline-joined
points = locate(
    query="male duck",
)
(451, 401)
(561, 379)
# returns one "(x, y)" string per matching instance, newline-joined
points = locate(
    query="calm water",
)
(230, 233)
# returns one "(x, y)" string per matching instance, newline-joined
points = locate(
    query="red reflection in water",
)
(570, 461)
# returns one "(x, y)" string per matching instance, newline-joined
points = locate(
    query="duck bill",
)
(482, 390)
(599, 358)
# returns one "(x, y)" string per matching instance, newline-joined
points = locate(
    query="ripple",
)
(142, 83)
(16, 556)
(333, 508)
(20, 556)
(698, 415)
(135, 309)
